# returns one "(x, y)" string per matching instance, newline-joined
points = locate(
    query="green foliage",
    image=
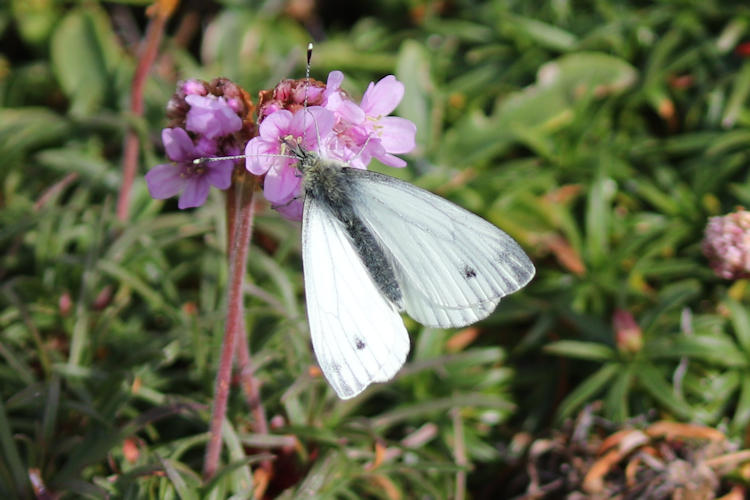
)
(599, 136)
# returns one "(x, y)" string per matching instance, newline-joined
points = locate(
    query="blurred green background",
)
(601, 135)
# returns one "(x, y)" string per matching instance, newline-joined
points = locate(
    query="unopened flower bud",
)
(628, 335)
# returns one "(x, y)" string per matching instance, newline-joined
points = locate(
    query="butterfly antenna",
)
(364, 145)
(307, 70)
(199, 161)
(211, 159)
(307, 84)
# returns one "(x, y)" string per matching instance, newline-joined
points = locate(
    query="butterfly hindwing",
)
(358, 336)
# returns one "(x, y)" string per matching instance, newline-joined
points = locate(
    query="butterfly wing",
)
(453, 267)
(358, 336)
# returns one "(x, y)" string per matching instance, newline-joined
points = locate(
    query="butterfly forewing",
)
(453, 266)
(357, 335)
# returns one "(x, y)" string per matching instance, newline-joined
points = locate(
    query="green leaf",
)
(176, 477)
(84, 56)
(11, 457)
(587, 390)
(741, 418)
(420, 410)
(616, 400)
(740, 317)
(597, 219)
(717, 348)
(413, 70)
(738, 97)
(542, 33)
(653, 381)
(581, 350)
(35, 19)
(589, 73)
(23, 129)
(91, 168)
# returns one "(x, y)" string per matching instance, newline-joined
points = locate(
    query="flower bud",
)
(628, 335)
(290, 95)
(727, 245)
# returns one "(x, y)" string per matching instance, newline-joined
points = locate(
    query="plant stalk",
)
(240, 231)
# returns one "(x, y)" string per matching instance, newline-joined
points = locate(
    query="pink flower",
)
(266, 157)
(205, 121)
(396, 134)
(364, 132)
(166, 180)
(192, 87)
(727, 245)
(337, 101)
(211, 116)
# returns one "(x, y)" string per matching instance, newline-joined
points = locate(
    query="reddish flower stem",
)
(240, 218)
(244, 362)
(154, 34)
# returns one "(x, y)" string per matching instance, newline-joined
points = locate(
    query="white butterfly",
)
(374, 246)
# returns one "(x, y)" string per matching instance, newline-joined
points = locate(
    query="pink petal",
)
(178, 144)
(383, 97)
(378, 151)
(397, 134)
(276, 125)
(211, 116)
(351, 112)
(391, 161)
(312, 124)
(219, 174)
(281, 184)
(257, 150)
(195, 193)
(291, 210)
(193, 86)
(335, 78)
(164, 181)
(205, 147)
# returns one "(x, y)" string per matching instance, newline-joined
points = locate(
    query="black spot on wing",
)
(360, 344)
(469, 272)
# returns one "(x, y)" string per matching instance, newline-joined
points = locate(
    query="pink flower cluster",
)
(205, 125)
(727, 244)
(333, 125)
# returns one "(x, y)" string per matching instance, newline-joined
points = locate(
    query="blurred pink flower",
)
(194, 181)
(205, 121)
(211, 116)
(727, 244)
(192, 87)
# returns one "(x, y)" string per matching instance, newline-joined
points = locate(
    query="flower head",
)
(333, 124)
(207, 120)
(727, 244)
